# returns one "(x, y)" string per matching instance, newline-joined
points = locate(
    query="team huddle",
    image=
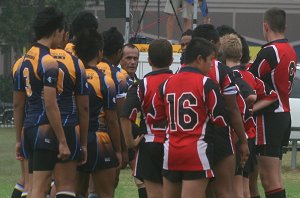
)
(207, 131)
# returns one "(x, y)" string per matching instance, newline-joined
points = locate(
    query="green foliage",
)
(17, 16)
(5, 89)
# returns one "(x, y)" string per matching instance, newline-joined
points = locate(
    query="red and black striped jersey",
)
(275, 65)
(141, 101)
(190, 102)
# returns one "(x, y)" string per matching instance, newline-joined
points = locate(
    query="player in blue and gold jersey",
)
(44, 138)
(104, 151)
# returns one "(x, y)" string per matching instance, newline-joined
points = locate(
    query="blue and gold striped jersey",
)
(31, 76)
(71, 82)
(102, 95)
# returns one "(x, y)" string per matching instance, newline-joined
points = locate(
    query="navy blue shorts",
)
(101, 154)
(42, 138)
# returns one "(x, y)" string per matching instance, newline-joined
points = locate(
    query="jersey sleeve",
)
(81, 85)
(109, 93)
(243, 87)
(227, 80)
(50, 71)
(132, 105)
(122, 85)
(17, 76)
(214, 103)
(267, 59)
(264, 92)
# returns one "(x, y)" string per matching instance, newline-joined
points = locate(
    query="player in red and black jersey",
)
(224, 150)
(139, 99)
(231, 53)
(275, 65)
(104, 152)
(190, 109)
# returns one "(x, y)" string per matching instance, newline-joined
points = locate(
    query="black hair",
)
(113, 41)
(225, 29)
(198, 46)
(47, 22)
(245, 51)
(206, 31)
(189, 32)
(84, 20)
(160, 53)
(88, 43)
(276, 18)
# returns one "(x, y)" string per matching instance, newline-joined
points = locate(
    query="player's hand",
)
(244, 153)
(83, 155)
(124, 158)
(119, 159)
(138, 140)
(63, 151)
(18, 152)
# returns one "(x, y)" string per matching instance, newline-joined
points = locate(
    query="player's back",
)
(31, 77)
(102, 95)
(146, 91)
(71, 82)
(188, 98)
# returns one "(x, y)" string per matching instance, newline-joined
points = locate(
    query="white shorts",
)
(187, 9)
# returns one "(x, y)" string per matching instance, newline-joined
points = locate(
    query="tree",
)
(17, 16)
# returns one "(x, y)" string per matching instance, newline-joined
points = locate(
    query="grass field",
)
(9, 171)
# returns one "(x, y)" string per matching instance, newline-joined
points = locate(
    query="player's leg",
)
(138, 182)
(246, 189)
(104, 182)
(172, 184)
(82, 183)
(170, 24)
(238, 186)
(190, 188)
(253, 177)
(65, 172)
(187, 14)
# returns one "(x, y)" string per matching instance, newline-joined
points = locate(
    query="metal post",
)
(294, 154)
(127, 21)
(195, 15)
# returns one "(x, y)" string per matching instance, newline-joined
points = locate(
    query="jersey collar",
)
(42, 46)
(285, 40)
(190, 69)
(161, 71)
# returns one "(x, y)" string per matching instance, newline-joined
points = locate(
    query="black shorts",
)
(251, 162)
(273, 132)
(41, 139)
(42, 160)
(179, 176)
(149, 162)
(101, 154)
(223, 144)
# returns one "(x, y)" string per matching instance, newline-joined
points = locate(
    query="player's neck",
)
(232, 63)
(45, 41)
(273, 36)
(160, 68)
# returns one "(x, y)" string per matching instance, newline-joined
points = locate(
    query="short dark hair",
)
(276, 18)
(160, 53)
(113, 41)
(88, 43)
(245, 51)
(198, 46)
(206, 31)
(225, 29)
(189, 32)
(47, 22)
(83, 20)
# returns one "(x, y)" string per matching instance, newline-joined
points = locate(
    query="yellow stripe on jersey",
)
(66, 59)
(105, 68)
(33, 56)
(16, 66)
(70, 48)
(94, 81)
